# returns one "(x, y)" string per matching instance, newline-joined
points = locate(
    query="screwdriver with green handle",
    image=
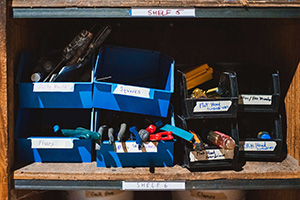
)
(79, 132)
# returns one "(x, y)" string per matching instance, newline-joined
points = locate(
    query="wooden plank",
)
(292, 102)
(4, 176)
(146, 3)
(287, 169)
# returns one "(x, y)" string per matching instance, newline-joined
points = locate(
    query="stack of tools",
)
(74, 57)
(208, 110)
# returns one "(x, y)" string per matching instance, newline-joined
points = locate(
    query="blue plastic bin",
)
(128, 154)
(38, 124)
(79, 151)
(60, 96)
(133, 80)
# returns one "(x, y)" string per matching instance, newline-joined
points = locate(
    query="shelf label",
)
(132, 91)
(53, 87)
(133, 147)
(212, 106)
(163, 12)
(52, 143)
(153, 185)
(211, 154)
(257, 145)
(246, 99)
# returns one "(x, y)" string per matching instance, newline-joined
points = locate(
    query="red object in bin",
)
(167, 135)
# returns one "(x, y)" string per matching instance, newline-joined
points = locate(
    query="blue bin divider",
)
(61, 96)
(37, 124)
(128, 154)
(139, 81)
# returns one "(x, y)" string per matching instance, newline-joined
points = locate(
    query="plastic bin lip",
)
(49, 137)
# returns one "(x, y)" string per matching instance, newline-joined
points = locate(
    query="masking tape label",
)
(257, 145)
(133, 147)
(255, 99)
(211, 154)
(132, 91)
(212, 106)
(52, 143)
(153, 185)
(53, 87)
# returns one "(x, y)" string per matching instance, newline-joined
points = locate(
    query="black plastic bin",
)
(215, 159)
(259, 86)
(253, 148)
(223, 107)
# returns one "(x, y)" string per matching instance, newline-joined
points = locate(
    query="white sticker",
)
(257, 145)
(132, 91)
(163, 12)
(211, 154)
(133, 147)
(53, 87)
(153, 185)
(212, 106)
(246, 99)
(52, 143)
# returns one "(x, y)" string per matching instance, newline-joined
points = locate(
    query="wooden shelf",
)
(285, 174)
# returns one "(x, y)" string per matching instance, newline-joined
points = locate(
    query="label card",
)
(246, 99)
(257, 145)
(132, 91)
(211, 154)
(52, 143)
(153, 185)
(212, 106)
(133, 147)
(53, 87)
(163, 12)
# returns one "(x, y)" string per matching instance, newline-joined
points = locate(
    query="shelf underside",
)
(254, 175)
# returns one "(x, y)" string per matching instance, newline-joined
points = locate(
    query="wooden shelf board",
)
(287, 169)
(146, 3)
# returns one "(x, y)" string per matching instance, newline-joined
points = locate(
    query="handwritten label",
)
(211, 154)
(208, 194)
(163, 12)
(52, 143)
(101, 193)
(255, 99)
(132, 91)
(212, 106)
(53, 87)
(257, 145)
(133, 147)
(153, 185)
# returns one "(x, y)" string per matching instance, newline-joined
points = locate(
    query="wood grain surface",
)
(146, 3)
(287, 169)
(4, 179)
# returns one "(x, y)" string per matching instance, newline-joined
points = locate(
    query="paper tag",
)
(163, 12)
(246, 99)
(132, 91)
(212, 106)
(153, 185)
(211, 154)
(133, 147)
(53, 87)
(101, 193)
(52, 143)
(257, 145)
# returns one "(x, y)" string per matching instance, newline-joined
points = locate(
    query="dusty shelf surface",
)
(147, 3)
(287, 169)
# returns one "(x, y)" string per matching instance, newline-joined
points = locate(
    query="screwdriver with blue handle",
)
(78, 133)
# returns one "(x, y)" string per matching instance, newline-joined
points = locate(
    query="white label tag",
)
(153, 185)
(211, 154)
(52, 143)
(246, 99)
(53, 87)
(133, 147)
(212, 106)
(132, 91)
(257, 145)
(163, 12)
